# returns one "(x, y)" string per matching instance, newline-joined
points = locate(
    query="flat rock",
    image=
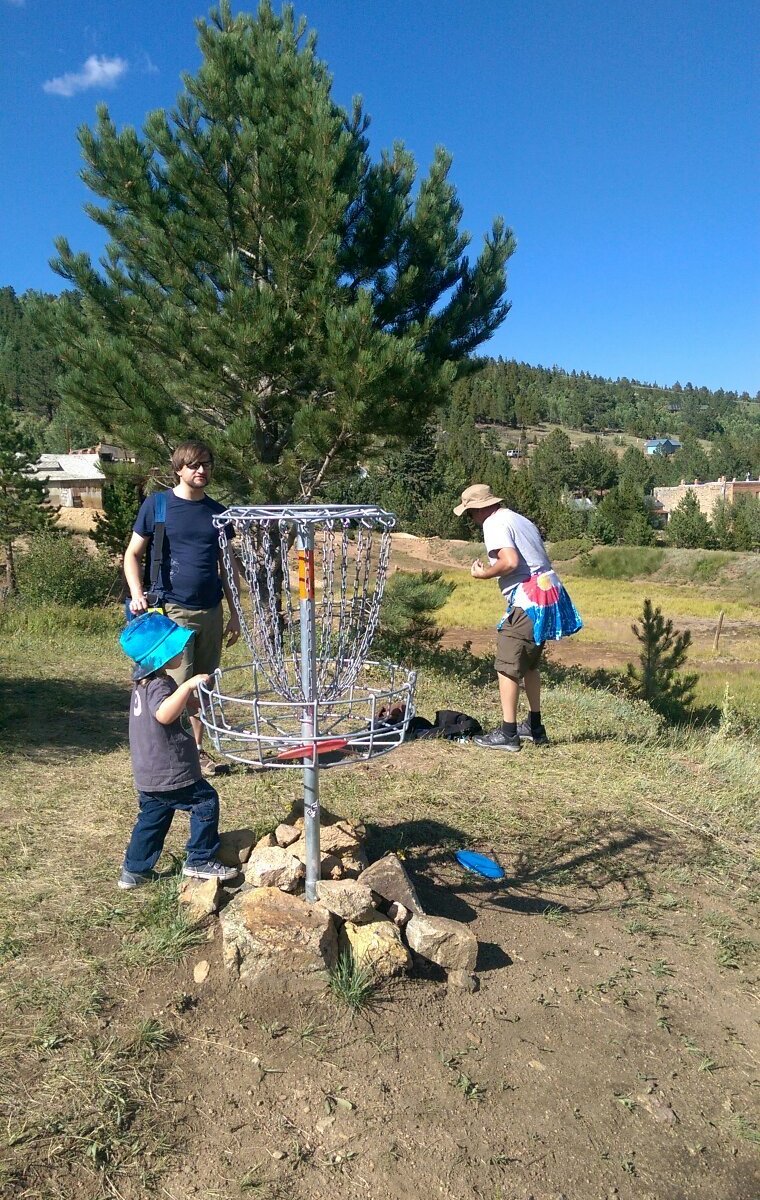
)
(267, 930)
(346, 898)
(201, 970)
(376, 944)
(199, 899)
(274, 866)
(388, 878)
(447, 943)
(285, 835)
(235, 847)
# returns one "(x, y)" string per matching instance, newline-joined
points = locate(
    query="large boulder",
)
(388, 878)
(265, 929)
(376, 944)
(273, 866)
(447, 943)
(348, 899)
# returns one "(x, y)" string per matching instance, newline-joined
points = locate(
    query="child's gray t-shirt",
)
(164, 757)
(506, 529)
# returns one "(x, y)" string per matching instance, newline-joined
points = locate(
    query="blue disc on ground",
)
(479, 863)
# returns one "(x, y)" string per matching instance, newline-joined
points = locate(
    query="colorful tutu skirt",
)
(545, 599)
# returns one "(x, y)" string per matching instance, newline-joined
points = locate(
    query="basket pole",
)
(309, 731)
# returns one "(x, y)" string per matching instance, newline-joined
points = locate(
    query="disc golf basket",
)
(310, 698)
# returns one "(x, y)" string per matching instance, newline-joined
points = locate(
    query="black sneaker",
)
(537, 736)
(210, 768)
(210, 870)
(134, 879)
(498, 740)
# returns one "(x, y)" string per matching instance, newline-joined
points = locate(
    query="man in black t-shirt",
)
(192, 578)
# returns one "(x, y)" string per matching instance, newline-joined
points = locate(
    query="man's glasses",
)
(204, 462)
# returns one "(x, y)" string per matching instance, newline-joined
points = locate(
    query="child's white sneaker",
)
(210, 870)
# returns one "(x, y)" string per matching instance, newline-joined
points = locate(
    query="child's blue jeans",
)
(157, 810)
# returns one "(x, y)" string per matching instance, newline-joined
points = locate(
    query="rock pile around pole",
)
(371, 911)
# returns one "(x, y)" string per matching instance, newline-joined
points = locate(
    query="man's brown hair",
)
(190, 452)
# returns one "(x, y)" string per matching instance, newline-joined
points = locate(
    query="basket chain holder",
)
(310, 698)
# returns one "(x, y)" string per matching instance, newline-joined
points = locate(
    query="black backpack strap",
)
(157, 549)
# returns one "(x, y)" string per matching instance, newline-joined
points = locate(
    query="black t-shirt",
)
(190, 567)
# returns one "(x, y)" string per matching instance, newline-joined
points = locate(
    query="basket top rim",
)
(306, 514)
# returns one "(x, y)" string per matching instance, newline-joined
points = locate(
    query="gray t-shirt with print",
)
(509, 530)
(164, 757)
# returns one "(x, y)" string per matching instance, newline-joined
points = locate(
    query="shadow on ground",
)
(621, 856)
(47, 719)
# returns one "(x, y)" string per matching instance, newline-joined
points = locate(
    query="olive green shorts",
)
(203, 653)
(516, 652)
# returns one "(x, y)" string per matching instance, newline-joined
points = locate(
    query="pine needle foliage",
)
(267, 286)
(21, 498)
(663, 651)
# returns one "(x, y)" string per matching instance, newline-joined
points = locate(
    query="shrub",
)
(58, 568)
(407, 625)
(569, 548)
(663, 651)
(622, 562)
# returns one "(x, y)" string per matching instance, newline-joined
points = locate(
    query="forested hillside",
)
(495, 407)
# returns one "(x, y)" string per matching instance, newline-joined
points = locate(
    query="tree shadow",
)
(53, 719)
(574, 864)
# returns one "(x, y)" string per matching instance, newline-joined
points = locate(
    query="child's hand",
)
(193, 683)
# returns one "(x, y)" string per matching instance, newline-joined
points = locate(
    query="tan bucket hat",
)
(479, 495)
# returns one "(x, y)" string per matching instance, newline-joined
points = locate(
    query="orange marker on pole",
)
(306, 574)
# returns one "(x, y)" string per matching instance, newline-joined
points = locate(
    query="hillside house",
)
(664, 445)
(71, 480)
(665, 499)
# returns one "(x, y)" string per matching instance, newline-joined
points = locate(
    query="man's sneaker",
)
(537, 736)
(210, 870)
(210, 767)
(134, 879)
(498, 740)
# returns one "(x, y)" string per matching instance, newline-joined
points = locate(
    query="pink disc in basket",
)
(325, 747)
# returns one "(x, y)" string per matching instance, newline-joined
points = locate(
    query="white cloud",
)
(98, 71)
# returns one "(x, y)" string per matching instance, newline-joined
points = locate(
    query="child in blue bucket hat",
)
(165, 761)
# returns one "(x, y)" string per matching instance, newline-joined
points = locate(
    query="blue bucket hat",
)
(152, 640)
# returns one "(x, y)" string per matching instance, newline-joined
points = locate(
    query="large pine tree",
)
(266, 285)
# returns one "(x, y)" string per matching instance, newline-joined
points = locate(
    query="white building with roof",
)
(71, 480)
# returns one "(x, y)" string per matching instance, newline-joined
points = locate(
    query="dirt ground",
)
(603, 1057)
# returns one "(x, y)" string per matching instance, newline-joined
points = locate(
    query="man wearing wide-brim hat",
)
(537, 608)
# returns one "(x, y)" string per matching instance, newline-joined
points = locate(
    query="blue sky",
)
(618, 140)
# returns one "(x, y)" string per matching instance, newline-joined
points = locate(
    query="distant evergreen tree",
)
(21, 498)
(688, 527)
(746, 523)
(267, 286)
(663, 652)
(123, 493)
(622, 518)
(596, 466)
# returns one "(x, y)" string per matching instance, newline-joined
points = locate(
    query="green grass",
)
(352, 984)
(476, 604)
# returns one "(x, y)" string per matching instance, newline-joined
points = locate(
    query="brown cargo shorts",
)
(516, 652)
(203, 653)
